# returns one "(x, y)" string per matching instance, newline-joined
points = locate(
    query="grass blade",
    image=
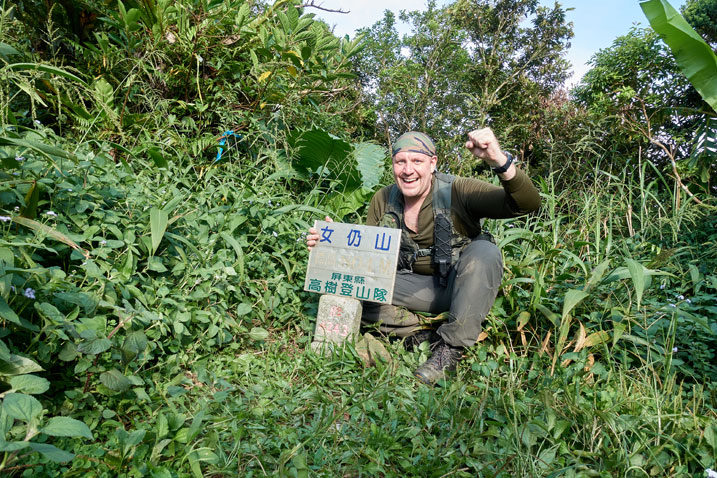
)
(38, 226)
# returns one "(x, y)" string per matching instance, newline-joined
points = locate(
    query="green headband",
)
(414, 142)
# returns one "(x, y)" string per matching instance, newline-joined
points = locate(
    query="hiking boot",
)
(444, 359)
(423, 335)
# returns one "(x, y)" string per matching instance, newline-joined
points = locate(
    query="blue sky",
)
(595, 23)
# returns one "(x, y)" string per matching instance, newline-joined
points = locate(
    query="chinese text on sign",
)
(354, 261)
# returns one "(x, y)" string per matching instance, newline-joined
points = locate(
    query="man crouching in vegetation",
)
(446, 263)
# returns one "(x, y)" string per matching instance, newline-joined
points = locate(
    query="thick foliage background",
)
(161, 160)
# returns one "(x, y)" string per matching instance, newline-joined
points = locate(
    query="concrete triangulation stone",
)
(338, 320)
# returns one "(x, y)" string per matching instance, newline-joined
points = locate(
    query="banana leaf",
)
(694, 57)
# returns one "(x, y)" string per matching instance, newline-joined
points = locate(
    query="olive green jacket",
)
(471, 201)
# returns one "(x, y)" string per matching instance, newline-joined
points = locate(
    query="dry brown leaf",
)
(580, 341)
(230, 39)
(597, 338)
(546, 341)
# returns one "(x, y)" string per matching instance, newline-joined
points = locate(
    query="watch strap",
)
(507, 164)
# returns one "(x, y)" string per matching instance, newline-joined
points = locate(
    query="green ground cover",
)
(153, 321)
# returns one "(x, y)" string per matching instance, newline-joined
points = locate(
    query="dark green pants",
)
(467, 297)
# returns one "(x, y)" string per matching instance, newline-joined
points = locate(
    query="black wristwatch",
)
(507, 164)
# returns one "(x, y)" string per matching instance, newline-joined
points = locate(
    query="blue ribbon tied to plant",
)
(223, 142)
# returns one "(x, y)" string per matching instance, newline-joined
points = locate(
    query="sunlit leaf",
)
(572, 298)
(694, 56)
(29, 384)
(21, 407)
(258, 333)
(369, 161)
(637, 273)
(17, 365)
(66, 427)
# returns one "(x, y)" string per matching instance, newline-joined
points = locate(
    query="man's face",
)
(412, 172)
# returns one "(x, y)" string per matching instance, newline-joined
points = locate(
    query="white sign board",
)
(354, 261)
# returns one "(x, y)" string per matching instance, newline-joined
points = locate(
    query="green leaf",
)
(158, 225)
(13, 445)
(572, 298)
(37, 226)
(6, 50)
(50, 312)
(133, 345)
(68, 352)
(18, 365)
(549, 314)
(114, 380)
(319, 153)
(159, 160)
(52, 453)
(155, 264)
(85, 300)
(29, 210)
(619, 326)
(637, 273)
(7, 260)
(235, 245)
(66, 427)
(104, 92)
(47, 69)
(258, 333)
(704, 149)
(134, 438)
(369, 160)
(4, 351)
(711, 436)
(21, 407)
(162, 426)
(243, 309)
(6, 313)
(597, 274)
(694, 57)
(95, 345)
(44, 149)
(29, 384)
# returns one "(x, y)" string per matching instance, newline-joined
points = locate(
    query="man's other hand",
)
(312, 238)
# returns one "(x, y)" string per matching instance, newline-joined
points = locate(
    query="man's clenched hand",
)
(483, 144)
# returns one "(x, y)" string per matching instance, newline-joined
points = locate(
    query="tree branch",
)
(312, 4)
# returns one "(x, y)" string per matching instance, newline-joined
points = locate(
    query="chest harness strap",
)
(447, 242)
